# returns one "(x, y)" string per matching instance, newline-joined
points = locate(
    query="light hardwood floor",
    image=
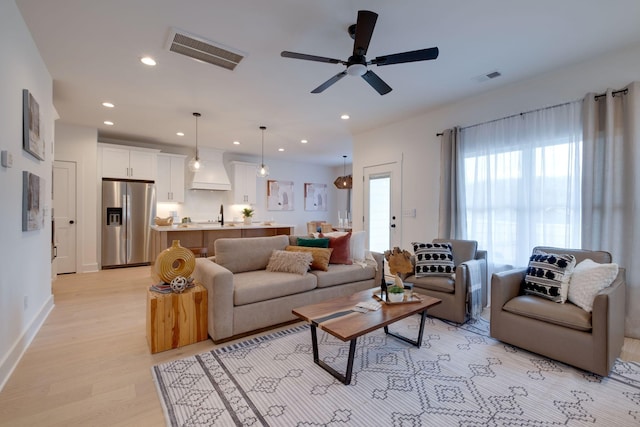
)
(90, 365)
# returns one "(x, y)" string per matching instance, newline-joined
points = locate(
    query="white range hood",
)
(212, 175)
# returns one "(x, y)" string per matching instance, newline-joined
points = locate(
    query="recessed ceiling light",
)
(344, 117)
(280, 149)
(303, 141)
(147, 60)
(236, 142)
(108, 123)
(108, 105)
(180, 133)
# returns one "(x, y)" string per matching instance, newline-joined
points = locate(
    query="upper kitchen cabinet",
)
(170, 178)
(128, 162)
(244, 183)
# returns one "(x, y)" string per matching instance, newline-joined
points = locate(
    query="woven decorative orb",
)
(178, 284)
(175, 261)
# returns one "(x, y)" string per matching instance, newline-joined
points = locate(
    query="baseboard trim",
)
(10, 362)
(90, 268)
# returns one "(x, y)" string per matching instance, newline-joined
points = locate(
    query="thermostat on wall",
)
(7, 159)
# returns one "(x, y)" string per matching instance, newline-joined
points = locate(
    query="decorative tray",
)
(414, 298)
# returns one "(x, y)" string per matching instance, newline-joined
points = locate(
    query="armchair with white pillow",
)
(568, 305)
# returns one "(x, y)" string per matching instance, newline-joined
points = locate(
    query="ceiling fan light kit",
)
(357, 63)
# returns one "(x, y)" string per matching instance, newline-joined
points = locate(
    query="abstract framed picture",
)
(32, 141)
(315, 197)
(279, 195)
(33, 199)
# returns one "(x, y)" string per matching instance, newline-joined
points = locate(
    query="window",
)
(522, 182)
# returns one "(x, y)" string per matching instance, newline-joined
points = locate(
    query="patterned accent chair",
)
(561, 331)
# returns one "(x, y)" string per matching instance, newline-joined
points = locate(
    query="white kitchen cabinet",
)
(244, 183)
(128, 162)
(170, 178)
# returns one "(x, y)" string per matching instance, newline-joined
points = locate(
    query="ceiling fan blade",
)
(413, 56)
(364, 30)
(376, 82)
(329, 82)
(294, 55)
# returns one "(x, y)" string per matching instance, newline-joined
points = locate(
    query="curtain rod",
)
(596, 97)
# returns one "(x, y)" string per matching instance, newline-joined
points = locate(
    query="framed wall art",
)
(315, 197)
(279, 195)
(33, 199)
(32, 140)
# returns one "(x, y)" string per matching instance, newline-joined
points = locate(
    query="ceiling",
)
(92, 50)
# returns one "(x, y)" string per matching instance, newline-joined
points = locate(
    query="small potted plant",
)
(395, 293)
(247, 213)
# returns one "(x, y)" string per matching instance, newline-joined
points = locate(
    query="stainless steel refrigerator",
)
(128, 209)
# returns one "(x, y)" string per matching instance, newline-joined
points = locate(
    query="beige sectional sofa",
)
(244, 297)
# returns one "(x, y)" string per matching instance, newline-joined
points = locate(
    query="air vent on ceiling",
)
(488, 76)
(204, 50)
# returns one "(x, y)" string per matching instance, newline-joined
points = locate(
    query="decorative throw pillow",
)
(320, 256)
(314, 243)
(289, 262)
(356, 246)
(341, 249)
(589, 278)
(433, 259)
(548, 275)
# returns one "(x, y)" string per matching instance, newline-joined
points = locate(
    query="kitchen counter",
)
(216, 226)
(203, 235)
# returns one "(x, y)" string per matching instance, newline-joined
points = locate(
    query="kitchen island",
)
(195, 235)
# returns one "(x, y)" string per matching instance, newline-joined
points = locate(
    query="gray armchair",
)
(564, 332)
(453, 291)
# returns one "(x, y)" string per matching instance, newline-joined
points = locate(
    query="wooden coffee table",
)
(337, 317)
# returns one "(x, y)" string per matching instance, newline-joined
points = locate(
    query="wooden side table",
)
(175, 320)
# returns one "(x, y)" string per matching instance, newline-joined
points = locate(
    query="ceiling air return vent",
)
(488, 76)
(203, 50)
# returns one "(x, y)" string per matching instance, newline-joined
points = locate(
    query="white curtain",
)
(522, 183)
(611, 187)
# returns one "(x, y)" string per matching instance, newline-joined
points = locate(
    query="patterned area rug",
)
(459, 377)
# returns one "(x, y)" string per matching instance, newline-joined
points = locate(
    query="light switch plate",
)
(6, 159)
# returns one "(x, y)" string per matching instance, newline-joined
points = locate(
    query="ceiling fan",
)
(357, 63)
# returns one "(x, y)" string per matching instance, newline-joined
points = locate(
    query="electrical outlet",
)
(26, 302)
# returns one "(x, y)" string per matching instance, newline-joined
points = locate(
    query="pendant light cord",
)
(196, 115)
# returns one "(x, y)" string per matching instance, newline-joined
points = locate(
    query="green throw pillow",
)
(314, 243)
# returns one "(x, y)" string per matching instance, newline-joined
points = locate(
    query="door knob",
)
(72, 222)
(393, 226)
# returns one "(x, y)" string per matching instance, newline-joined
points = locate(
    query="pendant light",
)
(264, 169)
(195, 164)
(345, 181)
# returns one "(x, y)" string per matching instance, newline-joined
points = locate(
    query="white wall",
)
(415, 138)
(78, 144)
(25, 257)
(205, 205)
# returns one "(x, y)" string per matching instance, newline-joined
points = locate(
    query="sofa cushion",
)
(567, 315)
(290, 262)
(339, 274)
(341, 249)
(320, 256)
(313, 242)
(547, 275)
(433, 283)
(589, 278)
(433, 259)
(247, 254)
(254, 286)
(357, 248)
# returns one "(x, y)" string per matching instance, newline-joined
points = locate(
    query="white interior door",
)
(383, 206)
(64, 215)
